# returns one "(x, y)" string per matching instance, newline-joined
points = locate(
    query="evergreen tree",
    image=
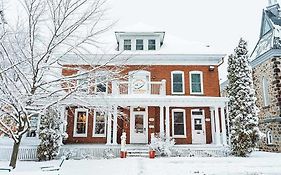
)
(50, 135)
(242, 109)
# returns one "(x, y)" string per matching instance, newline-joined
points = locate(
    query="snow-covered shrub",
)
(243, 112)
(108, 153)
(50, 135)
(161, 144)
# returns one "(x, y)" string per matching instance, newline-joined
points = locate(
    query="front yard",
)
(259, 163)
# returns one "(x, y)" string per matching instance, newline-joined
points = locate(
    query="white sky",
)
(214, 22)
(218, 22)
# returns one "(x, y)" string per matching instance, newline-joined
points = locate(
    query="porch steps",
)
(137, 152)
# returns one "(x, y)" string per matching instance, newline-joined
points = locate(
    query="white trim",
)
(265, 92)
(94, 125)
(184, 122)
(144, 59)
(75, 122)
(172, 82)
(201, 82)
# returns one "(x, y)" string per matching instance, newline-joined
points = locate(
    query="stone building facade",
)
(266, 64)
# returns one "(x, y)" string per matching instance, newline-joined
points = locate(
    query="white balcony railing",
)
(132, 88)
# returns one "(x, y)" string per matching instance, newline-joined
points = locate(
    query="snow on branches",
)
(243, 112)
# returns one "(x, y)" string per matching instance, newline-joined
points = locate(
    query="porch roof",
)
(148, 100)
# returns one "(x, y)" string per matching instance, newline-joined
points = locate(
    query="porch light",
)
(211, 68)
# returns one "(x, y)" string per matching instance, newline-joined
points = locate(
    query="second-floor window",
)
(101, 81)
(196, 82)
(177, 82)
(139, 44)
(151, 44)
(127, 44)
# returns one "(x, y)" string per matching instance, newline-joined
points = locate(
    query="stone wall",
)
(269, 116)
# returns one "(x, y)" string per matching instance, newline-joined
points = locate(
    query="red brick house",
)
(169, 88)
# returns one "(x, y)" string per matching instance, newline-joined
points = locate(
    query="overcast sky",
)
(214, 22)
(218, 22)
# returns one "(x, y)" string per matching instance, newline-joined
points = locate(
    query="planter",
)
(123, 154)
(151, 154)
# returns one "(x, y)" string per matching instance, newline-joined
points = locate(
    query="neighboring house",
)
(172, 88)
(266, 59)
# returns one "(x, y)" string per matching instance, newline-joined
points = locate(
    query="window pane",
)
(127, 44)
(197, 124)
(139, 124)
(100, 123)
(101, 87)
(81, 123)
(151, 45)
(178, 123)
(177, 83)
(33, 126)
(196, 83)
(139, 44)
(179, 129)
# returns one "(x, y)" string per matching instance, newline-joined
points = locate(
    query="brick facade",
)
(158, 73)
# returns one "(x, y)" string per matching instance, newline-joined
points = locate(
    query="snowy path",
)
(258, 164)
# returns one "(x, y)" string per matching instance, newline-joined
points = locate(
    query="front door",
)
(138, 125)
(198, 127)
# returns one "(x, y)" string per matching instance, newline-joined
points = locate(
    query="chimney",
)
(273, 7)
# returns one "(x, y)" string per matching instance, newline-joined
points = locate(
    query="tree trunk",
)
(14, 156)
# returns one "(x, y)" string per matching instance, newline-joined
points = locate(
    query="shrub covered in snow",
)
(242, 109)
(50, 135)
(161, 144)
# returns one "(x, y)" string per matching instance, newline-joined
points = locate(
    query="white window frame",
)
(172, 82)
(265, 92)
(102, 73)
(94, 125)
(201, 82)
(184, 122)
(269, 138)
(149, 44)
(75, 122)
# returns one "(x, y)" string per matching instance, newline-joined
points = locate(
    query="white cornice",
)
(143, 59)
(266, 56)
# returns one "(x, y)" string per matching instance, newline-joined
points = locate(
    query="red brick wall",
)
(160, 72)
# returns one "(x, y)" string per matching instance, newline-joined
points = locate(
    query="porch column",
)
(223, 127)
(167, 121)
(109, 121)
(62, 118)
(212, 124)
(161, 119)
(217, 118)
(114, 125)
(228, 126)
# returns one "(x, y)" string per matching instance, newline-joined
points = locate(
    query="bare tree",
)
(30, 74)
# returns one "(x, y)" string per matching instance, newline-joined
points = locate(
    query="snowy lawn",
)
(259, 163)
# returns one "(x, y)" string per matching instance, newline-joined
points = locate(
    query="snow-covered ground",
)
(259, 163)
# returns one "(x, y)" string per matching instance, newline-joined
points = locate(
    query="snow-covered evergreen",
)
(242, 109)
(50, 135)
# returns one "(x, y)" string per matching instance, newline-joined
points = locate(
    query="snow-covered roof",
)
(171, 45)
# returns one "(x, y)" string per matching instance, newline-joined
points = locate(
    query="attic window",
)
(127, 44)
(266, 27)
(151, 44)
(139, 44)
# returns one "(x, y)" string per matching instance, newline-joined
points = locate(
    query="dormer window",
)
(151, 44)
(139, 44)
(127, 44)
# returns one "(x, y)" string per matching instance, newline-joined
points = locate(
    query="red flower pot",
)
(123, 154)
(151, 154)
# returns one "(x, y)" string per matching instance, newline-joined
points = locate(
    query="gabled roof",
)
(270, 35)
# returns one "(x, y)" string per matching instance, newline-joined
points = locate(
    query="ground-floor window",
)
(80, 123)
(32, 131)
(99, 124)
(178, 123)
